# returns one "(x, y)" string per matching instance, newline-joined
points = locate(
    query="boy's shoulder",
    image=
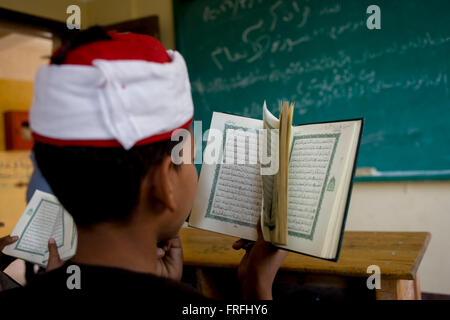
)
(76, 283)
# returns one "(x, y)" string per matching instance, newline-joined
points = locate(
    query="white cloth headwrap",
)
(123, 100)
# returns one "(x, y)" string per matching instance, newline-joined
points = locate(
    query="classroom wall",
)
(102, 12)
(14, 95)
(50, 9)
(393, 206)
(15, 172)
(20, 58)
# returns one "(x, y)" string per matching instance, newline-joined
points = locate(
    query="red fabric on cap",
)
(106, 143)
(122, 46)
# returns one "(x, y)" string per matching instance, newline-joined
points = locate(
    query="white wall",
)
(409, 206)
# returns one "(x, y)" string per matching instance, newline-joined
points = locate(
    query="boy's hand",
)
(258, 267)
(54, 261)
(170, 259)
(6, 260)
(6, 241)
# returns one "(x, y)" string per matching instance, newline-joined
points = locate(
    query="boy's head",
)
(102, 119)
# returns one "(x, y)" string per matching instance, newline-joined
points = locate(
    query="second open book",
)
(297, 179)
(43, 218)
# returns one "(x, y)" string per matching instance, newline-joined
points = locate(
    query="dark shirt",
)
(105, 288)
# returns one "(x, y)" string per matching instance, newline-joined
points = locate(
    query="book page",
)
(41, 220)
(58, 229)
(280, 234)
(342, 190)
(311, 159)
(66, 236)
(44, 218)
(318, 164)
(270, 166)
(72, 245)
(229, 195)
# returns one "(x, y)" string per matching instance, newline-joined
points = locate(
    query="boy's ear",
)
(163, 183)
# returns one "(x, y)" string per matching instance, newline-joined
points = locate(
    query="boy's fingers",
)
(238, 244)
(258, 229)
(160, 253)
(12, 239)
(165, 247)
(52, 248)
(54, 261)
(241, 244)
(175, 242)
(7, 240)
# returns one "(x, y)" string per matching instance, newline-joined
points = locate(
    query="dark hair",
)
(97, 184)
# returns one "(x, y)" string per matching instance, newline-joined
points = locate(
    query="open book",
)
(297, 179)
(44, 218)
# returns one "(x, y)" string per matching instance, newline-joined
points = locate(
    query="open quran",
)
(43, 218)
(295, 180)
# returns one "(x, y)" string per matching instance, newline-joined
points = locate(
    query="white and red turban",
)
(126, 91)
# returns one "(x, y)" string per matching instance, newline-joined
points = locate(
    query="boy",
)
(102, 118)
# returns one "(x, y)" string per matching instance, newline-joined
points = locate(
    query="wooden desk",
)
(398, 254)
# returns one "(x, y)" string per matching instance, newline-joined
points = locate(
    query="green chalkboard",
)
(322, 55)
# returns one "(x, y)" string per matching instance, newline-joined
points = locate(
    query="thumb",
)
(7, 240)
(54, 261)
